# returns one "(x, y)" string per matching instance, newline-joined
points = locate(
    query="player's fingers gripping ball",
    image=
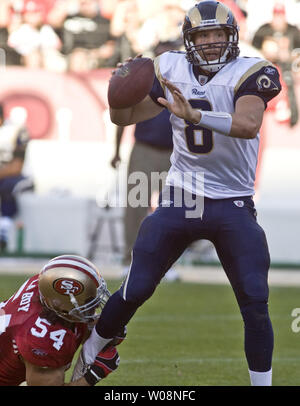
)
(130, 83)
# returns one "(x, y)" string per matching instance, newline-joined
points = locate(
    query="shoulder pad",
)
(251, 71)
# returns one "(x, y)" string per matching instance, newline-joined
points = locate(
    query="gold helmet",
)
(72, 287)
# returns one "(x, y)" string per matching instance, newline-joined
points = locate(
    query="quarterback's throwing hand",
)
(180, 106)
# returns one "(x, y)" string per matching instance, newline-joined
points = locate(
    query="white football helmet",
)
(72, 287)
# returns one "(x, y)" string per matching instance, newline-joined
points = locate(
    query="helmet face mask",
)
(91, 311)
(210, 15)
(72, 288)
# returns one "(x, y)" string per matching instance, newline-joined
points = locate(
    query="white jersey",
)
(228, 164)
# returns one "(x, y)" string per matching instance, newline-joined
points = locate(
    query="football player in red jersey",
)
(45, 321)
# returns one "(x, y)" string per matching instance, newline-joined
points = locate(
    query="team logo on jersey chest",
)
(66, 286)
(202, 79)
(197, 92)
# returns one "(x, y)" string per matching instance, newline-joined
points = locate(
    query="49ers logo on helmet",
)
(66, 286)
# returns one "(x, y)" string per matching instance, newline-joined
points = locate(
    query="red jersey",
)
(24, 333)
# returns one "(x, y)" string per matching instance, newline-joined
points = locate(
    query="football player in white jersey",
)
(217, 101)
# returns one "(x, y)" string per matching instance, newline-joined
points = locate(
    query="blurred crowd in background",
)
(82, 35)
(75, 37)
(79, 35)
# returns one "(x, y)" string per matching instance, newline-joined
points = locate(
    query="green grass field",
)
(192, 334)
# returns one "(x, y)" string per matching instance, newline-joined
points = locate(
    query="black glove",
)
(106, 362)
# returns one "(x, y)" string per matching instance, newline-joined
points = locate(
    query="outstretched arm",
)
(106, 362)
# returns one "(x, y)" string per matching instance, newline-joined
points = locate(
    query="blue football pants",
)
(230, 224)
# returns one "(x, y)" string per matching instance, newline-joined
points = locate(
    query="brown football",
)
(131, 83)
